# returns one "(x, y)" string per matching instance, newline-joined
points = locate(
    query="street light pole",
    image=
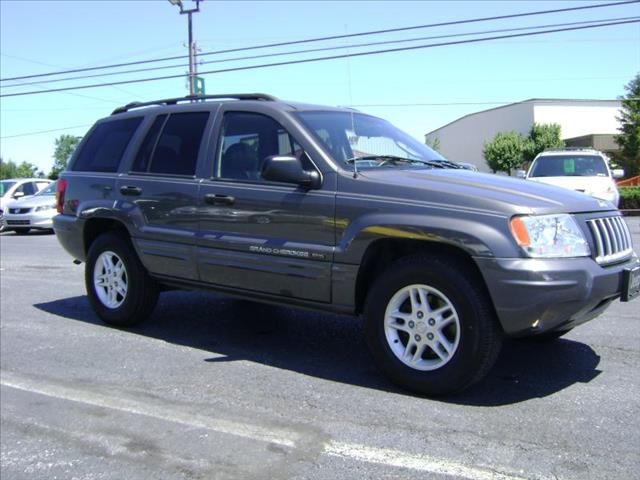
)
(192, 46)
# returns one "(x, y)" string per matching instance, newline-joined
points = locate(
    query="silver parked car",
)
(34, 212)
(17, 188)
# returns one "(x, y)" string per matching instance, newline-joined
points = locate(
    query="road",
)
(216, 388)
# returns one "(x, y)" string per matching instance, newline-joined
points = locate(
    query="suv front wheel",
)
(430, 326)
(119, 288)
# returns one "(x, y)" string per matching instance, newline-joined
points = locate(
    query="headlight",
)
(45, 207)
(549, 236)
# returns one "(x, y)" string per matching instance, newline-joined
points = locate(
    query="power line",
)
(371, 105)
(331, 37)
(45, 131)
(455, 104)
(66, 93)
(333, 57)
(323, 49)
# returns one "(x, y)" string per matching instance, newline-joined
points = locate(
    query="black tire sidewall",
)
(472, 311)
(124, 314)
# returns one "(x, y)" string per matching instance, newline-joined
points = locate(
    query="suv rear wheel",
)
(430, 326)
(119, 288)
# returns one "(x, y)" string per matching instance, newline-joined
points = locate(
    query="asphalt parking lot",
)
(216, 388)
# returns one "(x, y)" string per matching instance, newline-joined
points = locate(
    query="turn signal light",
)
(520, 232)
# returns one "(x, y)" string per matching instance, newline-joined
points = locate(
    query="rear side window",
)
(143, 159)
(103, 150)
(171, 145)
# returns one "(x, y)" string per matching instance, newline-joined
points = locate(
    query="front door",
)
(262, 236)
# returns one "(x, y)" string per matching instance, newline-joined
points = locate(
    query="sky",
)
(417, 90)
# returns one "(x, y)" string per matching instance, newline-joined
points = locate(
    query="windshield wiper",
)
(396, 160)
(449, 164)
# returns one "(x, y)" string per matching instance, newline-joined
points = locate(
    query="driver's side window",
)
(246, 140)
(24, 190)
(30, 188)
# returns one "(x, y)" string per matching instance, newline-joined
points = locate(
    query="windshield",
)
(5, 187)
(49, 190)
(569, 166)
(369, 141)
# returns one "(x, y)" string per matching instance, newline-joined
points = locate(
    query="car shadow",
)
(31, 233)
(332, 347)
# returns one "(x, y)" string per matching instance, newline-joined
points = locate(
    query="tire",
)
(119, 299)
(21, 231)
(454, 324)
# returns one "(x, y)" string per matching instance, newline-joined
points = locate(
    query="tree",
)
(65, 146)
(434, 144)
(8, 169)
(629, 138)
(26, 170)
(504, 152)
(542, 136)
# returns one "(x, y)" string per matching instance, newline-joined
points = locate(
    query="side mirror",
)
(618, 173)
(521, 174)
(18, 195)
(289, 169)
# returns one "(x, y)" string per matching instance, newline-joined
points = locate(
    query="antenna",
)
(353, 127)
(352, 140)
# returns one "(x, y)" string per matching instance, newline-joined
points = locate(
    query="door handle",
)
(130, 190)
(215, 199)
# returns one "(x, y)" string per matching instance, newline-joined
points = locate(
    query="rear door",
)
(262, 236)
(161, 191)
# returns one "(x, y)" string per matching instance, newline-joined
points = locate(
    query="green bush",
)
(629, 198)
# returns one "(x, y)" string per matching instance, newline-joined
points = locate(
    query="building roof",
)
(551, 101)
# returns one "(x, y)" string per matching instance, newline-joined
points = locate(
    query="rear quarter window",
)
(102, 152)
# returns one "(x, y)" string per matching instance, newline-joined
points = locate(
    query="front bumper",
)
(532, 296)
(42, 219)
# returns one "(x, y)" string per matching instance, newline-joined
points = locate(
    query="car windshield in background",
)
(49, 190)
(5, 187)
(569, 166)
(370, 142)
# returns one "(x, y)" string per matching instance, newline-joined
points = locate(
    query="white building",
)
(584, 123)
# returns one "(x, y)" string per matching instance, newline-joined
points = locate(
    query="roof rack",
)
(193, 98)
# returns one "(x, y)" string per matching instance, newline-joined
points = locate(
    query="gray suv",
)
(331, 209)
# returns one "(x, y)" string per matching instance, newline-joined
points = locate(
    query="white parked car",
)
(34, 212)
(582, 169)
(16, 188)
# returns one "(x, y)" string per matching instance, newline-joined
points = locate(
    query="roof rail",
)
(194, 98)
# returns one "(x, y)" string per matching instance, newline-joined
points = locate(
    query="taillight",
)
(61, 188)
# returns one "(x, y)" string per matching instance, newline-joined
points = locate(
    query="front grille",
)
(16, 223)
(612, 238)
(19, 210)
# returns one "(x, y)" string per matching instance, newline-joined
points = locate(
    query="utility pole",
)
(192, 46)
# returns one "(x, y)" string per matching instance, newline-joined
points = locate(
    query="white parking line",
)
(423, 463)
(279, 436)
(147, 409)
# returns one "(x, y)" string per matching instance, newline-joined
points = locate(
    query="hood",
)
(480, 191)
(31, 201)
(5, 202)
